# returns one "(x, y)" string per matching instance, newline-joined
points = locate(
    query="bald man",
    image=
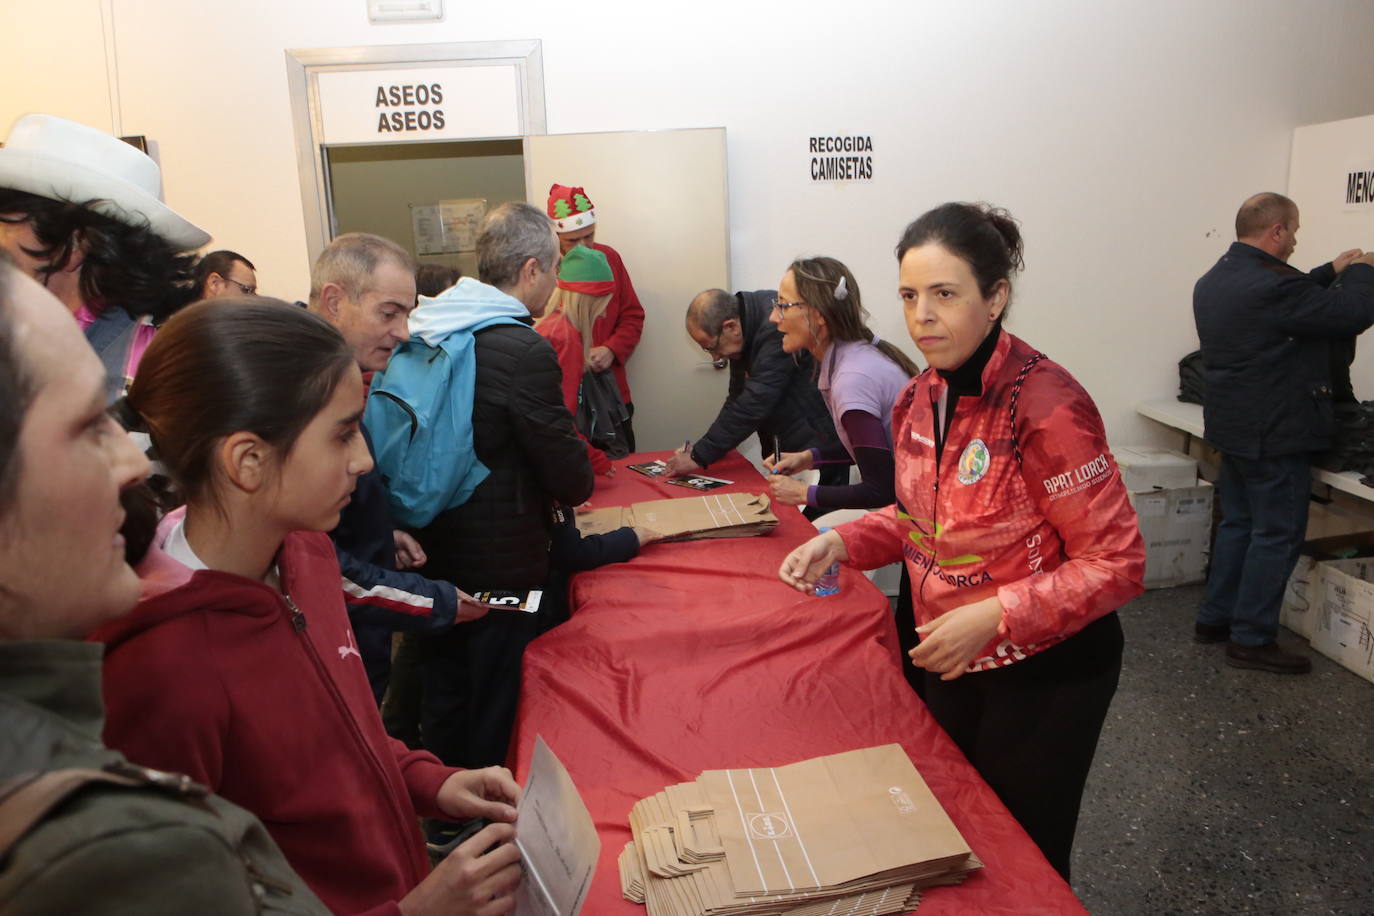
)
(1267, 331)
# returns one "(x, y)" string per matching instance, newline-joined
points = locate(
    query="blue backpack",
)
(419, 414)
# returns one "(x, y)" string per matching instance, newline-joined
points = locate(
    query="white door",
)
(1336, 212)
(660, 200)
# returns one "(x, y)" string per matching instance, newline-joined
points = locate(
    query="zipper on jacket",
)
(938, 438)
(370, 753)
(297, 616)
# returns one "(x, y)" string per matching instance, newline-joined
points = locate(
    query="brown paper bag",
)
(829, 821)
(714, 515)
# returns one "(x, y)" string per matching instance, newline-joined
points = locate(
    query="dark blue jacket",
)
(771, 392)
(381, 599)
(1266, 330)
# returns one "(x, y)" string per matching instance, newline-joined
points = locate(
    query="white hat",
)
(62, 160)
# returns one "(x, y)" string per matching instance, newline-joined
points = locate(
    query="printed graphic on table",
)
(698, 482)
(658, 471)
(650, 468)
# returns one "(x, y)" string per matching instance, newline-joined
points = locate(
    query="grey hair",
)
(710, 309)
(350, 261)
(511, 235)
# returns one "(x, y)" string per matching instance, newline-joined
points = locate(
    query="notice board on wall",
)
(447, 227)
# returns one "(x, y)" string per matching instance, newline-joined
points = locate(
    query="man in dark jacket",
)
(364, 285)
(771, 392)
(499, 538)
(1266, 330)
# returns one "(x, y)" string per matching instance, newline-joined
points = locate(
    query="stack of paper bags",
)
(852, 833)
(715, 515)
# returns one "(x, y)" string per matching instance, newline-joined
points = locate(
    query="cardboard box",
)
(1302, 598)
(1144, 467)
(1177, 527)
(1343, 630)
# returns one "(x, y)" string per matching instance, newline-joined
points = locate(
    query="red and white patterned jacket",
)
(1055, 538)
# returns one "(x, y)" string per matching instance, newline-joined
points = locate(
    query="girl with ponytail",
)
(239, 666)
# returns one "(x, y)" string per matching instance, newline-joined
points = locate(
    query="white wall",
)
(1122, 134)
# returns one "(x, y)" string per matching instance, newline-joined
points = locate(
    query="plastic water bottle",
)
(829, 582)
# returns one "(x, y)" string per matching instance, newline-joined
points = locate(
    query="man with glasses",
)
(225, 273)
(771, 392)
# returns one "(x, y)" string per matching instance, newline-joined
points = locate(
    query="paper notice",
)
(461, 220)
(557, 840)
(428, 230)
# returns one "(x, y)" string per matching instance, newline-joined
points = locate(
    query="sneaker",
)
(1211, 632)
(1268, 657)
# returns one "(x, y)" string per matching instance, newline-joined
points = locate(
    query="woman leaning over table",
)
(860, 377)
(1014, 525)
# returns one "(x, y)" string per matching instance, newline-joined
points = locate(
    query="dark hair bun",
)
(1006, 226)
(987, 238)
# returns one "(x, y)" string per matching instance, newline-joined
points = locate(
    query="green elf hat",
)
(585, 270)
(570, 208)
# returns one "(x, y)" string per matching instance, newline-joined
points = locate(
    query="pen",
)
(777, 455)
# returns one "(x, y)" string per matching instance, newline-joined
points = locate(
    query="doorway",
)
(661, 196)
(394, 191)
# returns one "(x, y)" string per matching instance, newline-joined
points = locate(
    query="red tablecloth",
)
(695, 656)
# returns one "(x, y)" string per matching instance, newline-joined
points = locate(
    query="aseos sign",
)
(432, 103)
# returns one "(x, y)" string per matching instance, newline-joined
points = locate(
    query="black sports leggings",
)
(1030, 729)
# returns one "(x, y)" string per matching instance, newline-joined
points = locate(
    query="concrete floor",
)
(1220, 790)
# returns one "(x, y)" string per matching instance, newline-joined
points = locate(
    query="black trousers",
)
(907, 637)
(401, 706)
(470, 678)
(1031, 729)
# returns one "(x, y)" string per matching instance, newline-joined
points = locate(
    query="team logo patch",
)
(973, 463)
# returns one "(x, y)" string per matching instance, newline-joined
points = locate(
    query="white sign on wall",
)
(847, 157)
(431, 103)
(1359, 186)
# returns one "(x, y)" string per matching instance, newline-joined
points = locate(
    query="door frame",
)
(304, 64)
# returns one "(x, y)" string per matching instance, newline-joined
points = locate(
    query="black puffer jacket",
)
(1266, 330)
(771, 392)
(522, 432)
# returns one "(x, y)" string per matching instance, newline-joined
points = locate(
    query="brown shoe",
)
(1268, 657)
(1211, 632)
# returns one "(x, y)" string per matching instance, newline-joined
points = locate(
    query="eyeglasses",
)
(715, 344)
(247, 290)
(784, 306)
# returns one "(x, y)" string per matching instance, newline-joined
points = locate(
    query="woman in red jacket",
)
(239, 666)
(1014, 524)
